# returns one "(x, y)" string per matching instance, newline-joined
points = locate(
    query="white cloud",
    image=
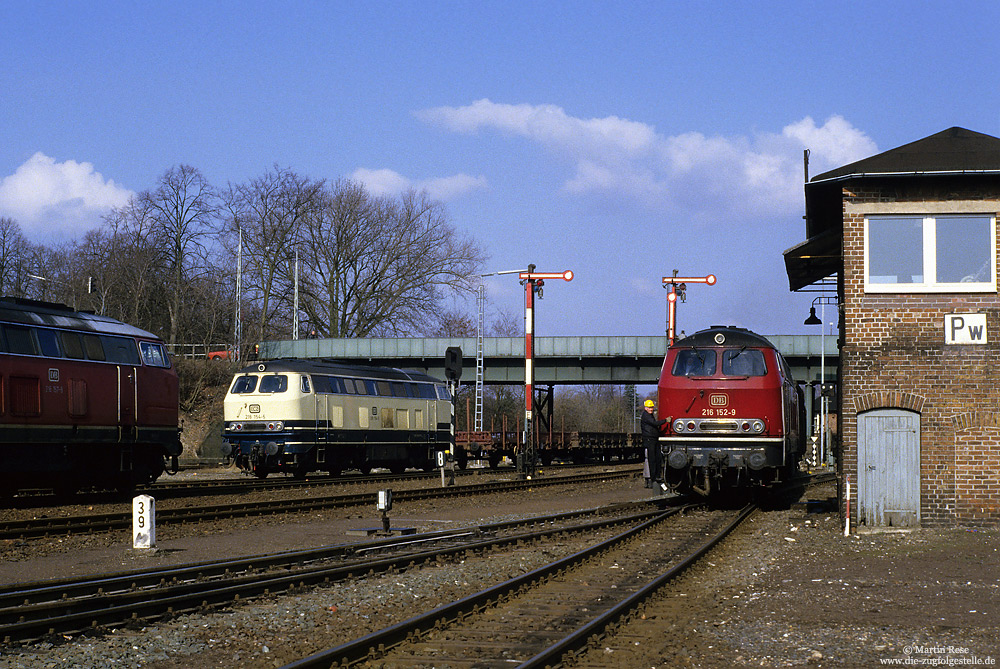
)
(56, 201)
(389, 182)
(614, 157)
(834, 144)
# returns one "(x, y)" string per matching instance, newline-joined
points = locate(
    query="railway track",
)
(166, 489)
(34, 611)
(553, 615)
(101, 522)
(541, 617)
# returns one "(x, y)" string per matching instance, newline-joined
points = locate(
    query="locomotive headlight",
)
(745, 426)
(757, 426)
(691, 426)
(238, 426)
(678, 426)
(279, 426)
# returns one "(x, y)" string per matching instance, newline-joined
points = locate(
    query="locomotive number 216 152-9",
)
(718, 412)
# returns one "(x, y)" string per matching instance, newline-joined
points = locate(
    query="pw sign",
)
(965, 328)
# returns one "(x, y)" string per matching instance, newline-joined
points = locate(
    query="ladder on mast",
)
(479, 358)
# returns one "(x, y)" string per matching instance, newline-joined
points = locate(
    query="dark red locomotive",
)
(85, 400)
(735, 417)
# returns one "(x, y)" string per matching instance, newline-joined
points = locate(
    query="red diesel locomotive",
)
(85, 400)
(735, 417)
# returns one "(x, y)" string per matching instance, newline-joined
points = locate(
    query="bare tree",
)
(270, 210)
(380, 265)
(128, 264)
(14, 255)
(600, 408)
(183, 208)
(453, 323)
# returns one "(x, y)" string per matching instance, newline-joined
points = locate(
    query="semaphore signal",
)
(677, 287)
(532, 281)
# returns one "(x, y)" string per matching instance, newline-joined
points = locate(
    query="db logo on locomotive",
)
(718, 400)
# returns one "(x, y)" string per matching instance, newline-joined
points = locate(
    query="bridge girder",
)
(558, 360)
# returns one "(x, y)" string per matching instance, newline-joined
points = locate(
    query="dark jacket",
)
(650, 426)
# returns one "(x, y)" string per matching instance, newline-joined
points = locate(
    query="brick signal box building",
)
(911, 237)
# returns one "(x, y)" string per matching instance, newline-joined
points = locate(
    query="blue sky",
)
(621, 140)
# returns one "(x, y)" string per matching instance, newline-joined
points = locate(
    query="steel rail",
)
(552, 656)
(163, 489)
(25, 529)
(372, 645)
(30, 612)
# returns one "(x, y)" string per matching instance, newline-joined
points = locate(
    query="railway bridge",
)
(557, 360)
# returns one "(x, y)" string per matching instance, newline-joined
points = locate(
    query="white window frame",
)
(930, 284)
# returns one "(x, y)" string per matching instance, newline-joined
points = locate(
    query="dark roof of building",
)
(952, 150)
(955, 153)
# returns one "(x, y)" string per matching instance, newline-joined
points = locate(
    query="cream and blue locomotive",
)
(299, 416)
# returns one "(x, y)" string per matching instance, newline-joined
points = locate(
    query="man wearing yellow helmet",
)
(651, 442)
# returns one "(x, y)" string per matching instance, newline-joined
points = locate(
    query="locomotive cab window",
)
(743, 362)
(153, 354)
(305, 385)
(442, 393)
(274, 383)
(243, 385)
(694, 362)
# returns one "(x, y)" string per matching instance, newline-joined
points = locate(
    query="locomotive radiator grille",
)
(741, 426)
(719, 426)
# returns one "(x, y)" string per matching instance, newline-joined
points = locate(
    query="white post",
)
(822, 384)
(847, 516)
(143, 522)
(295, 306)
(238, 332)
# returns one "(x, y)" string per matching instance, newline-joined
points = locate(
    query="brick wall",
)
(893, 356)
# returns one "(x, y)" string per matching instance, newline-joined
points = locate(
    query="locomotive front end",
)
(725, 394)
(260, 412)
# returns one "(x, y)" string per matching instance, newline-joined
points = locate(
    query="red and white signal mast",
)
(677, 287)
(532, 281)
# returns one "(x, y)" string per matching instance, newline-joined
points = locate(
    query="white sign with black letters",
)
(965, 328)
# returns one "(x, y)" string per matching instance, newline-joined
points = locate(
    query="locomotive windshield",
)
(244, 384)
(743, 362)
(694, 362)
(735, 362)
(274, 383)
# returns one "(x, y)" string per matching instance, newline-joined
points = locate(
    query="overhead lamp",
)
(813, 318)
